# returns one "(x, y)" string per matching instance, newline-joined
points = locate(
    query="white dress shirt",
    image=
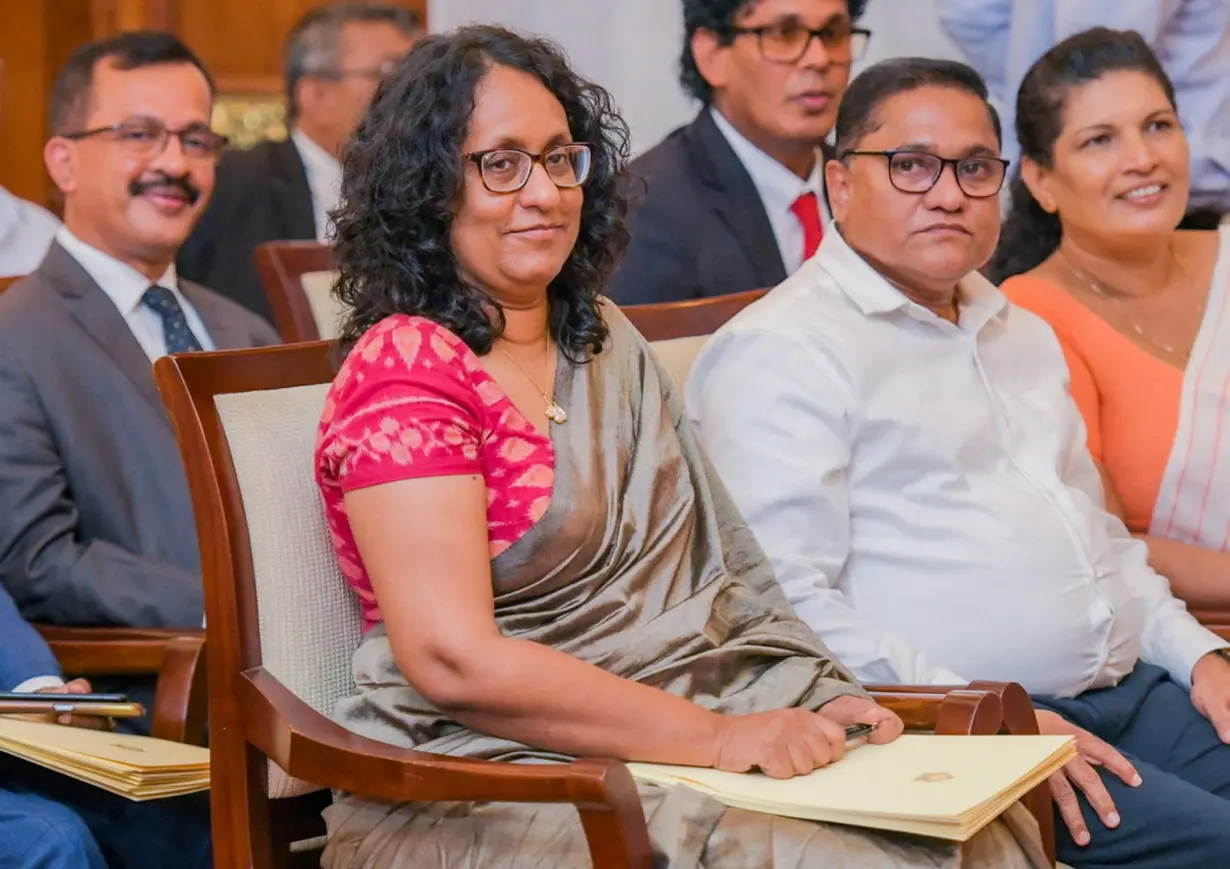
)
(26, 231)
(125, 286)
(324, 177)
(778, 188)
(923, 489)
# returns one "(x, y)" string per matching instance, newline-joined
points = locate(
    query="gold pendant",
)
(556, 414)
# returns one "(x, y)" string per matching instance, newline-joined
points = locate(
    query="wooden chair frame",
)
(174, 655)
(281, 266)
(662, 321)
(254, 717)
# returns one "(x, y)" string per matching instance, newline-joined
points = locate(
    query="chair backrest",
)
(663, 321)
(298, 278)
(275, 600)
(8, 281)
(677, 330)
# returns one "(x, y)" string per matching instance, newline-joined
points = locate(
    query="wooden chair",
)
(678, 330)
(6, 282)
(298, 278)
(1217, 621)
(173, 655)
(663, 321)
(283, 626)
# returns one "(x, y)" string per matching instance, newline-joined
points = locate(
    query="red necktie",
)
(807, 209)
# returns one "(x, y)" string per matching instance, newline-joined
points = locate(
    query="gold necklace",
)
(555, 413)
(1116, 297)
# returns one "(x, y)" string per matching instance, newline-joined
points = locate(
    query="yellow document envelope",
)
(943, 786)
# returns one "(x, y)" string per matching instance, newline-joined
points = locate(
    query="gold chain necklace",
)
(1116, 297)
(555, 413)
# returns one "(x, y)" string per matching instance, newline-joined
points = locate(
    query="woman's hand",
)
(789, 742)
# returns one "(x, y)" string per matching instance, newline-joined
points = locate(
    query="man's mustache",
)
(164, 182)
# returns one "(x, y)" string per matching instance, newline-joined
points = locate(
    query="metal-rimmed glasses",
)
(148, 137)
(979, 177)
(507, 170)
(788, 42)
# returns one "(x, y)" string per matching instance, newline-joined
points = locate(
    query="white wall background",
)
(631, 47)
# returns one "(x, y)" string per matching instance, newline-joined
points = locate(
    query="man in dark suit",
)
(50, 821)
(735, 200)
(96, 525)
(334, 59)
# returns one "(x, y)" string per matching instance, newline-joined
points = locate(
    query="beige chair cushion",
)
(326, 310)
(677, 356)
(310, 621)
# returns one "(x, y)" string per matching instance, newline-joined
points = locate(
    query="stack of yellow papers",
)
(137, 767)
(947, 787)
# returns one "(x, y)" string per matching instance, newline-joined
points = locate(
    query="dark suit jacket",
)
(259, 195)
(96, 525)
(699, 227)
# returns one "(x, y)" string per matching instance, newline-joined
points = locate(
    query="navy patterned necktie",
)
(175, 329)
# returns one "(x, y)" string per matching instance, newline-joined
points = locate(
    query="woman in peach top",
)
(1141, 308)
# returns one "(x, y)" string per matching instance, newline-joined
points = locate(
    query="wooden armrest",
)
(309, 746)
(176, 656)
(958, 712)
(1017, 718)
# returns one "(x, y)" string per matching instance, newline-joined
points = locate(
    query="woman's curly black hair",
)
(403, 173)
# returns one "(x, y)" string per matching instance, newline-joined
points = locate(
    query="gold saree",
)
(643, 567)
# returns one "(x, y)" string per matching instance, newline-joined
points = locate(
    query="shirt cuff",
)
(38, 683)
(1187, 643)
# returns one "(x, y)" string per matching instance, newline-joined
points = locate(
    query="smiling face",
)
(1120, 166)
(770, 102)
(134, 202)
(512, 245)
(927, 241)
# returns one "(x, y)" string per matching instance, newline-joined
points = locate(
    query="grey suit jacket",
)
(96, 524)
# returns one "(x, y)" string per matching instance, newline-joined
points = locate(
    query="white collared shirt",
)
(778, 188)
(26, 231)
(923, 489)
(125, 286)
(324, 177)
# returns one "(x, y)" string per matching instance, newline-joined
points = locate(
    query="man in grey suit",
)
(96, 525)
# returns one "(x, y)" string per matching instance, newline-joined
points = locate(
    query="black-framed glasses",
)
(147, 137)
(788, 42)
(918, 171)
(507, 170)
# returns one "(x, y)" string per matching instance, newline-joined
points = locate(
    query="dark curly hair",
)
(1031, 234)
(403, 173)
(718, 16)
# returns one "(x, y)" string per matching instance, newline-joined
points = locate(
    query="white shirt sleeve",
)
(774, 418)
(38, 683)
(1171, 637)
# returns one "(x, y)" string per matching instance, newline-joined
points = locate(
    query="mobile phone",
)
(76, 698)
(66, 704)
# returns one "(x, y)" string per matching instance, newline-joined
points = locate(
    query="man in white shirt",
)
(735, 200)
(902, 443)
(334, 58)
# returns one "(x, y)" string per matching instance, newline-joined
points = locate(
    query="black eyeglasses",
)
(788, 42)
(507, 170)
(147, 137)
(919, 171)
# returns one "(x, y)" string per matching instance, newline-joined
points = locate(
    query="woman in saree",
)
(545, 567)
(1139, 307)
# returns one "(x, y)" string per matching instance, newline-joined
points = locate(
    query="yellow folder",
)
(137, 767)
(947, 787)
